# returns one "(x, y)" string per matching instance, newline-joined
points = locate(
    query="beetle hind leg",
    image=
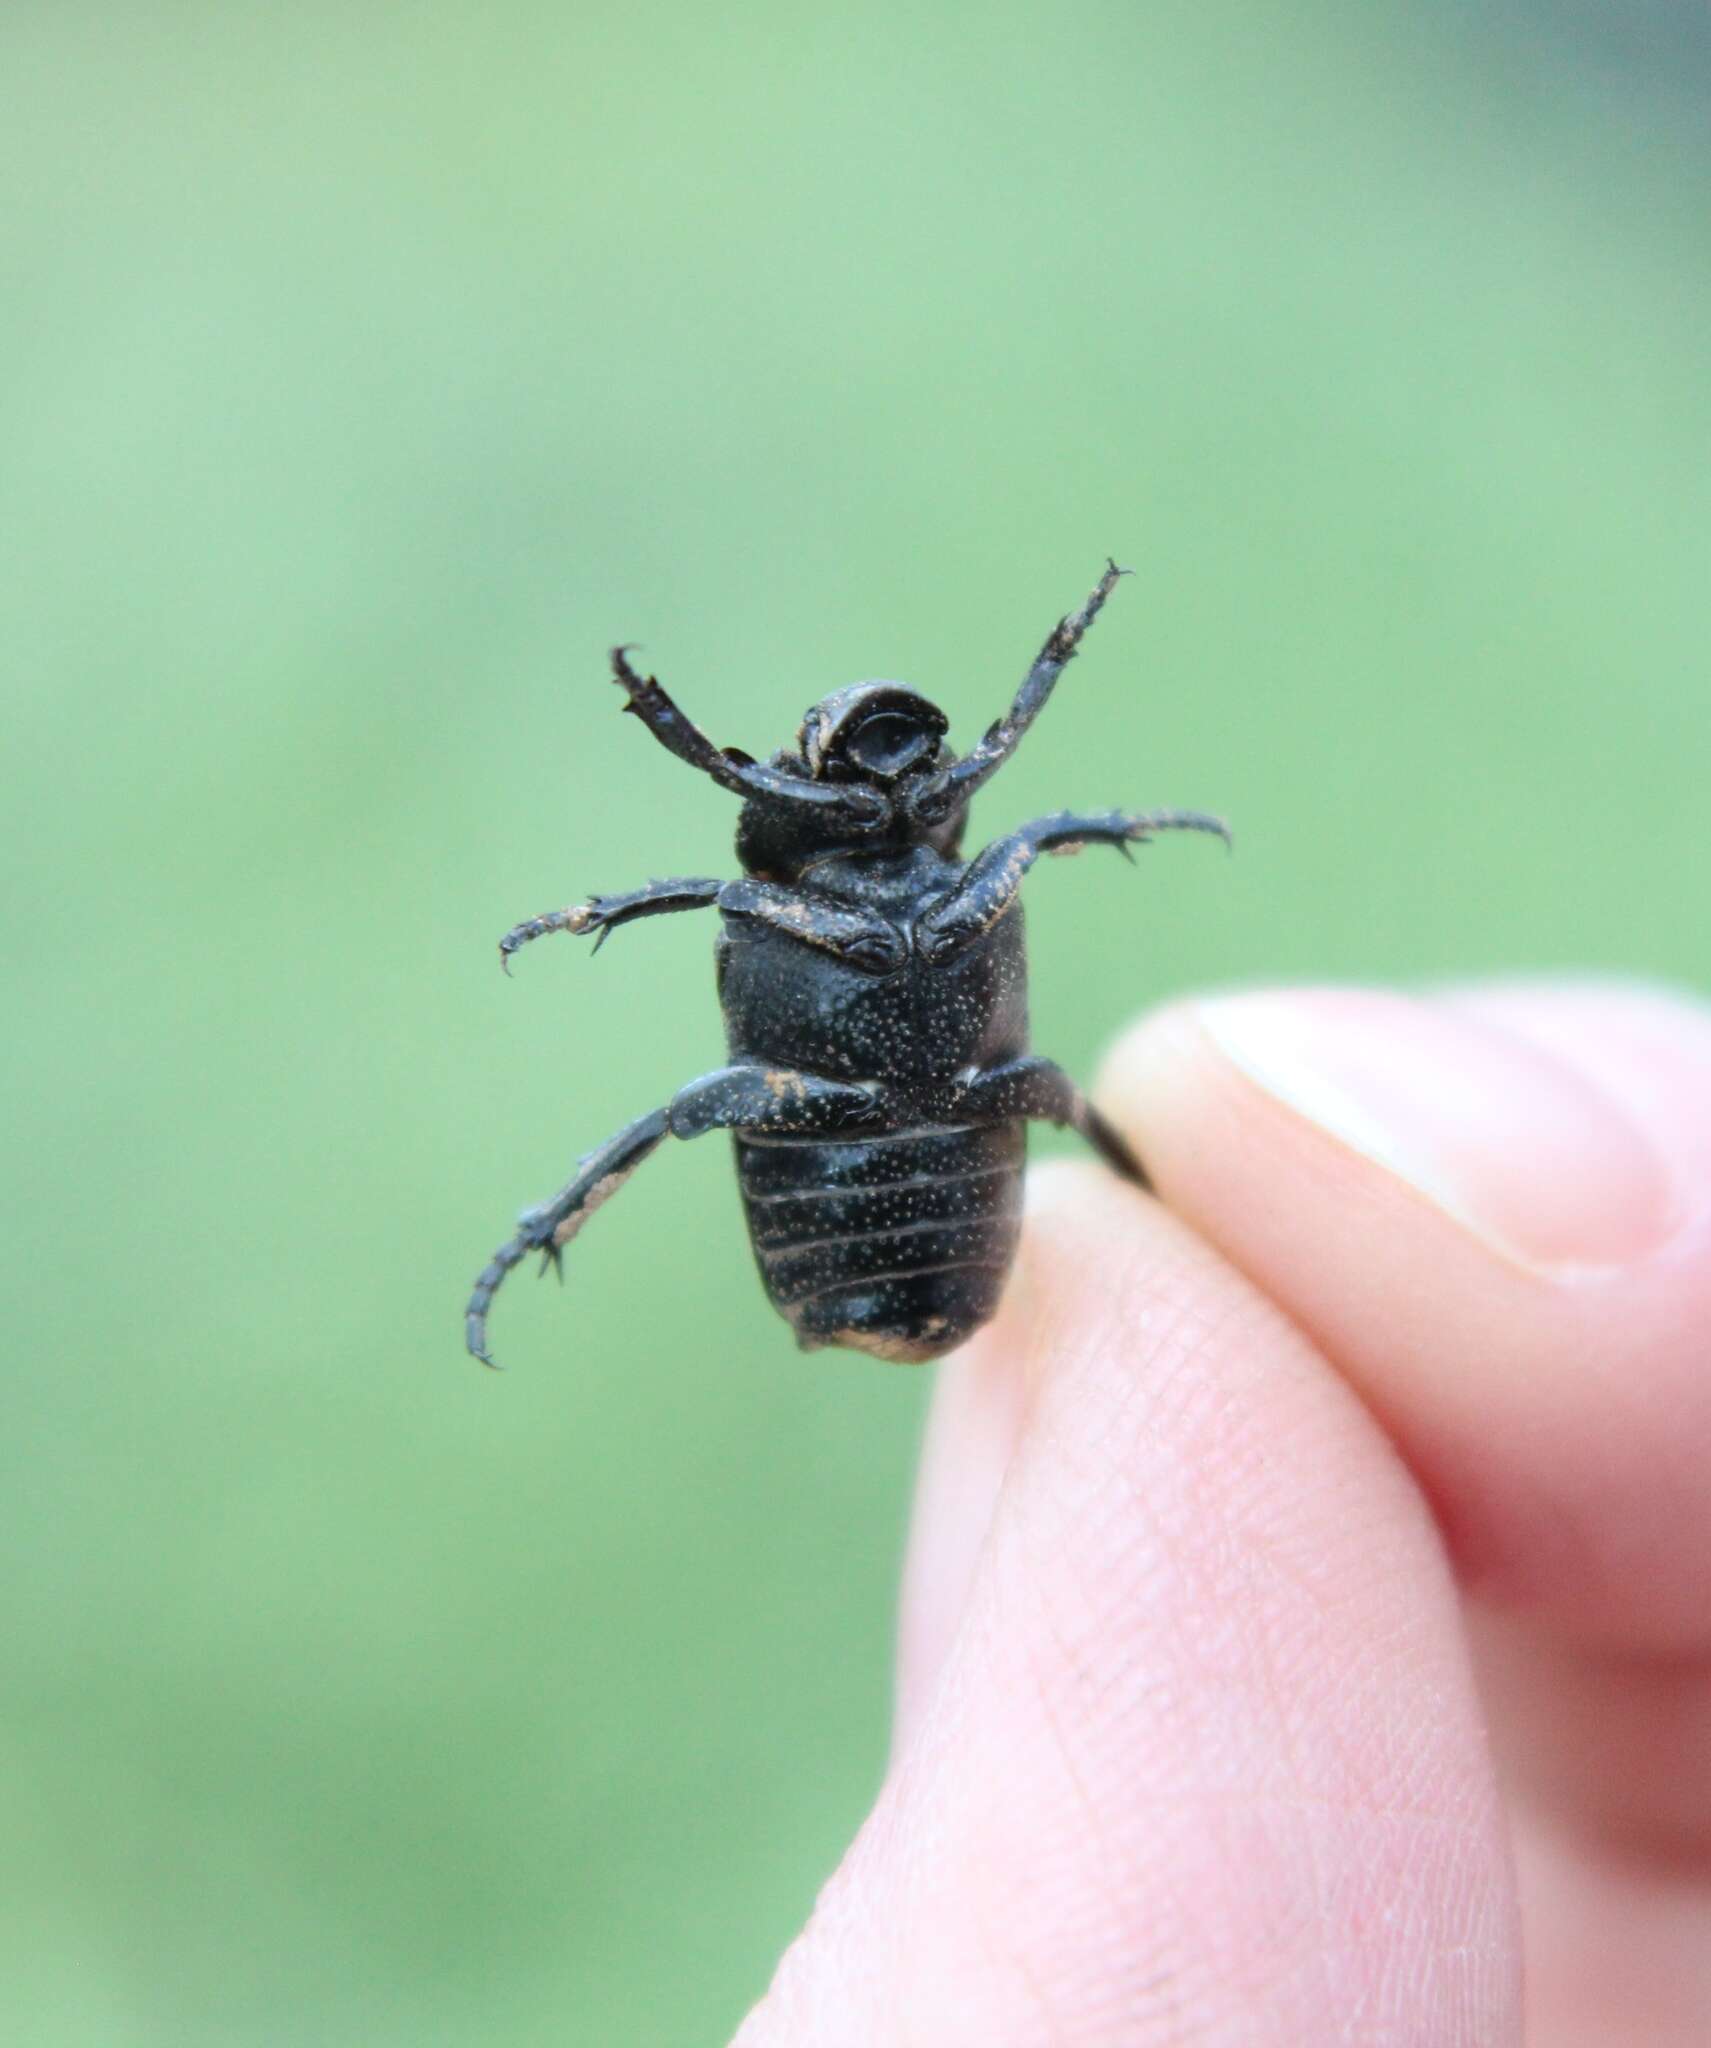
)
(548, 1228)
(1061, 1102)
(1039, 1088)
(1106, 1139)
(753, 1098)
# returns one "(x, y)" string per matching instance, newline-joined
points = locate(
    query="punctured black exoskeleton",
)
(874, 989)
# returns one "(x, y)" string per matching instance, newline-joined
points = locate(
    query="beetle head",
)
(871, 732)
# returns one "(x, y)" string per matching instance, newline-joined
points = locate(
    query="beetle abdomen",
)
(897, 1245)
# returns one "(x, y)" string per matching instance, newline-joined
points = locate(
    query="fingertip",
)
(1491, 1208)
(1517, 1140)
(1646, 1045)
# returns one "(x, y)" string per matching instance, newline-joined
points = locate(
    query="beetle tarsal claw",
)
(626, 677)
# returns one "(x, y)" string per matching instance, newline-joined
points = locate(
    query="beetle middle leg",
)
(601, 914)
(861, 937)
(993, 879)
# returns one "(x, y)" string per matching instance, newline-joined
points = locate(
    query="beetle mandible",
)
(874, 990)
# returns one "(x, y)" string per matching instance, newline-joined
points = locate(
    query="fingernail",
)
(1515, 1139)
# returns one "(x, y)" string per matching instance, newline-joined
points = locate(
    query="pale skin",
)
(1306, 1631)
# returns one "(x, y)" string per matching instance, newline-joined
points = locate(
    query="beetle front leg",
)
(993, 879)
(1040, 1089)
(729, 766)
(601, 914)
(948, 792)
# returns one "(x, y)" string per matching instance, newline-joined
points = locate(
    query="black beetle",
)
(874, 989)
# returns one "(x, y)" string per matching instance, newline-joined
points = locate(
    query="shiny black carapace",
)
(875, 996)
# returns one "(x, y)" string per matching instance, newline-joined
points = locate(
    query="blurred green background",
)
(368, 370)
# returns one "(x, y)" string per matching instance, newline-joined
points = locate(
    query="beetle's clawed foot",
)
(475, 1342)
(1078, 622)
(580, 917)
(1142, 829)
(1066, 635)
(625, 676)
(518, 936)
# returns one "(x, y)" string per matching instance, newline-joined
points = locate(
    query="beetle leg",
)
(755, 1098)
(550, 1227)
(772, 1101)
(601, 914)
(937, 799)
(1039, 1088)
(732, 769)
(993, 879)
(861, 937)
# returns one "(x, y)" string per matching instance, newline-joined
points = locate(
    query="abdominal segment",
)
(897, 1244)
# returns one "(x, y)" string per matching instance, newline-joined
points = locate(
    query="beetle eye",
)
(887, 743)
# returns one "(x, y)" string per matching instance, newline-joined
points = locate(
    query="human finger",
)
(1492, 1211)
(1191, 1747)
